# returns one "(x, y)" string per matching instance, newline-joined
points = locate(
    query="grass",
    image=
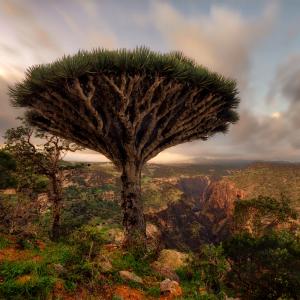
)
(25, 279)
(59, 253)
(4, 242)
(190, 281)
(129, 262)
(35, 278)
(153, 292)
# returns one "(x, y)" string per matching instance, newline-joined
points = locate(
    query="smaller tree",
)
(261, 215)
(266, 267)
(42, 159)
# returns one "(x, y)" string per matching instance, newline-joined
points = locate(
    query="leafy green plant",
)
(153, 292)
(262, 214)
(266, 267)
(206, 271)
(88, 241)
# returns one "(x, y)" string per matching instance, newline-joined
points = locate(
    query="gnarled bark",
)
(133, 215)
(56, 199)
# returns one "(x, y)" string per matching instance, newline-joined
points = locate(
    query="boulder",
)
(170, 289)
(59, 269)
(168, 262)
(23, 279)
(164, 271)
(130, 276)
(152, 231)
(172, 259)
(104, 264)
(116, 235)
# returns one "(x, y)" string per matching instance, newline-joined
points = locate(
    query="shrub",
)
(266, 267)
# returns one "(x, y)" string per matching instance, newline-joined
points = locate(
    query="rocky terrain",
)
(192, 204)
(188, 208)
(202, 215)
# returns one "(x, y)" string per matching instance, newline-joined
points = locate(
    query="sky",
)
(257, 43)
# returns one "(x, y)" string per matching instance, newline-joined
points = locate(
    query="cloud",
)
(266, 137)
(28, 30)
(286, 86)
(286, 81)
(96, 32)
(224, 40)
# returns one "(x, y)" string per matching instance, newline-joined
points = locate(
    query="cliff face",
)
(204, 213)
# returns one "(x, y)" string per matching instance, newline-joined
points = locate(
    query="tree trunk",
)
(56, 197)
(133, 215)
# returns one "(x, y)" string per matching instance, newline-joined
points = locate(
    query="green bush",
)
(266, 267)
(83, 206)
(88, 241)
(128, 261)
(36, 287)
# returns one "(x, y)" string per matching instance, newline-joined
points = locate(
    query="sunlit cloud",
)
(223, 40)
(276, 115)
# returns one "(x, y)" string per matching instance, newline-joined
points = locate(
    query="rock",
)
(153, 237)
(152, 231)
(116, 235)
(104, 264)
(59, 268)
(203, 291)
(126, 275)
(23, 279)
(164, 271)
(172, 259)
(123, 292)
(167, 263)
(170, 289)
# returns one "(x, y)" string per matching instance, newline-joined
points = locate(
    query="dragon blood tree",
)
(129, 106)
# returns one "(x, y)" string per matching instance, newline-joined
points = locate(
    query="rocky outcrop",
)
(172, 259)
(203, 215)
(130, 276)
(170, 289)
(168, 262)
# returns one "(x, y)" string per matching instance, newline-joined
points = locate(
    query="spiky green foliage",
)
(173, 65)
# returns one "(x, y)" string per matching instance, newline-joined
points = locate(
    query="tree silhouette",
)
(42, 159)
(129, 106)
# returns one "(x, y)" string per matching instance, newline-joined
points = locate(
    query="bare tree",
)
(129, 106)
(43, 159)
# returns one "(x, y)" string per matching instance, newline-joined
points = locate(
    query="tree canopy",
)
(170, 89)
